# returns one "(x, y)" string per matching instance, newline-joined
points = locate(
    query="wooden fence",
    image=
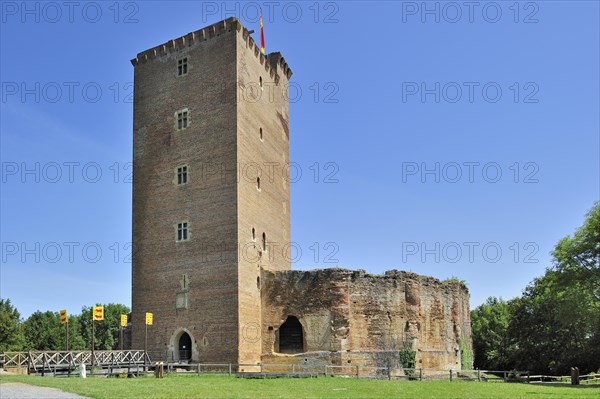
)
(113, 362)
(359, 372)
(54, 361)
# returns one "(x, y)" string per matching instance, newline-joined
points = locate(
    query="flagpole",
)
(262, 34)
(146, 344)
(92, 338)
(67, 334)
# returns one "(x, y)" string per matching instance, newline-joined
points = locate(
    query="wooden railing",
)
(40, 361)
(360, 372)
(564, 379)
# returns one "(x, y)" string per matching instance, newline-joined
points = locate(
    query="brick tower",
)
(210, 192)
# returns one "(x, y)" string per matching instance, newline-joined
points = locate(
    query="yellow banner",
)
(64, 318)
(98, 313)
(123, 320)
(148, 319)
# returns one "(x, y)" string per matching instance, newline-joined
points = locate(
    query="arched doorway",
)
(185, 347)
(291, 337)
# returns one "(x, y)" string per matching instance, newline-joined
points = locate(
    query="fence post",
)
(574, 376)
(198, 369)
(357, 372)
(294, 368)
(420, 374)
(389, 373)
(326, 371)
(528, 377)
(478, 375)
(229, 368)
(450, 374)
(504, 376)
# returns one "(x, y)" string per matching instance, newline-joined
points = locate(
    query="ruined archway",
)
(291, 336)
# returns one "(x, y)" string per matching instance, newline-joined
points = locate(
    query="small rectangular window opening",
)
(182, 231)
(182, 120)
(182, 67)
(182, 175)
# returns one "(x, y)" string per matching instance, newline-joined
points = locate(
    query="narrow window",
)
(182, 177)
(182, 231)
(258, 183)
(260, 82)
(182, 66)
(182, 119)
(261, 134)
(264, 242)
(253, 234)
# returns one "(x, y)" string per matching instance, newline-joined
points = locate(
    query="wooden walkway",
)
(56, 362)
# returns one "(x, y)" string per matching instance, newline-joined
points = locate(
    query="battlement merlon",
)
(276, 63)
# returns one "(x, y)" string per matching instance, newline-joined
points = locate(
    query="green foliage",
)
(76, 341)
(555, 324)
(466, 354)
(43, 331)
(489, 324)
(408, 358)
(456, 280)
(106, 334)
(11, 334)
(577, 257)
(555, 327)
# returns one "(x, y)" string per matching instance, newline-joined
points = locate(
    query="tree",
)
(11, 334)
(554, 327)
(577, 258)
(555, 324)
(106, 335)
(489, 324)
(43, 331)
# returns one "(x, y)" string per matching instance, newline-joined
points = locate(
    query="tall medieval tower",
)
(211, 192)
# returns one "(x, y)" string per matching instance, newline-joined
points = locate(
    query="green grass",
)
(222, 386)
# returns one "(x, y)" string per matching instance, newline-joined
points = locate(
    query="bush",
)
(408, 358)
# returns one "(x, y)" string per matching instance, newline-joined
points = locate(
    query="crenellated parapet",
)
(274, 63)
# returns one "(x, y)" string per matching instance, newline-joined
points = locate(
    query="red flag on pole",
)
(262, 34)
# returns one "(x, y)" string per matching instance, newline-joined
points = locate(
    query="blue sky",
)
(449, 141)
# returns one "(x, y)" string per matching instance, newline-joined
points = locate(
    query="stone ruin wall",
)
(354, 318)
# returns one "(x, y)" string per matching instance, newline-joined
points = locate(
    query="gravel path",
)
(16, 390)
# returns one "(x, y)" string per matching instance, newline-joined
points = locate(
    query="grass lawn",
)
(222, 386)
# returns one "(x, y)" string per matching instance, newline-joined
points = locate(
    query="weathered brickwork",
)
(364, 319)
(210, 104)
(208, 285)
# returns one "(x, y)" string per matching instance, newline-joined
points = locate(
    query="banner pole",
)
(146, 344)
(92, 338)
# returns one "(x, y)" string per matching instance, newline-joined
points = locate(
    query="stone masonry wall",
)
(364, 319)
